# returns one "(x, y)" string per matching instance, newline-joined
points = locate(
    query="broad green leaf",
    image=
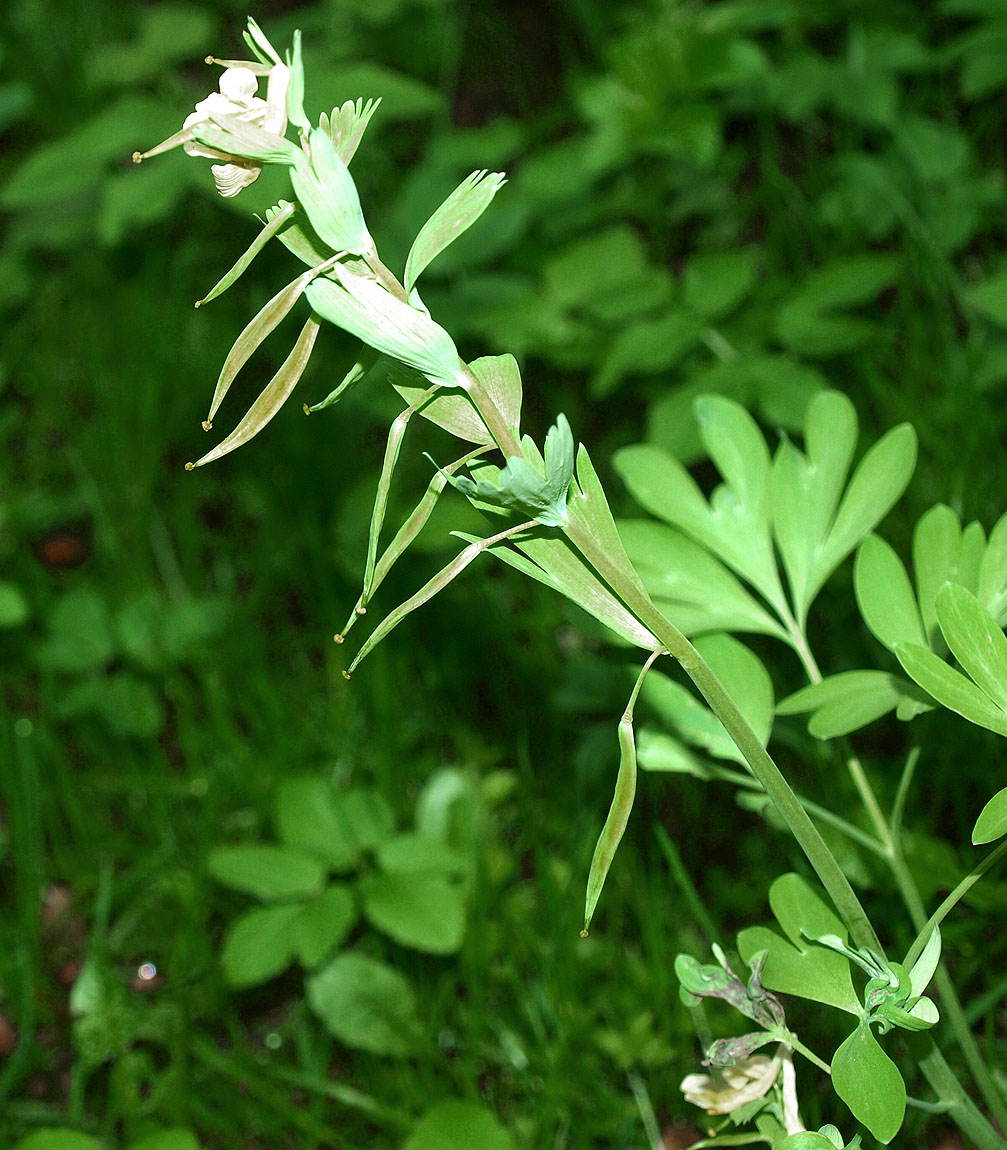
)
(268, 872)
(368, 815)
(950, 688)
(937, 547)
(746, 680)
(739, 507)
(878, 481)
(79, 634)
(692, 587)
(798, 966)
(258, 945)
(322, 924)
(14, 609)
(366, 1004)
(870, 1084)
(660, 752)
(176, 1139)
(415, 853)
(885, 596)
(458, 213)
(845, 702)
(805, 490)
(807, 1140)
(992, 580)
(309, 819)
(422, 910)
(714, 283)
(992, 822)
(451, 1125)
(59, 1138)
(501, 377)
(644, 347)
(975, 640)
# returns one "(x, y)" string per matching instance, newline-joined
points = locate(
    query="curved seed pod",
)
(271, 399)
(255, 332)
(281, 214)
(622, 803)
(430, 589)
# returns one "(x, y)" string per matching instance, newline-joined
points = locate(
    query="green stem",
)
(762, 766)
(914, 904)
(962, 1110)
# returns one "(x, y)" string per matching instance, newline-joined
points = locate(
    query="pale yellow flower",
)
(733, 1086)
(236, 104)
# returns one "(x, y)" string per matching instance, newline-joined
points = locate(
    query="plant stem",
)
(914, 904)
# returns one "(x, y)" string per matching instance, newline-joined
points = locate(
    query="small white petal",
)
(231, 178)
(239, 85)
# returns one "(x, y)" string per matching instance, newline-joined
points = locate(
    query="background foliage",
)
(754, 198)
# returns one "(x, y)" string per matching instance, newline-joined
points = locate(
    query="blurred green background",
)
(755, 197)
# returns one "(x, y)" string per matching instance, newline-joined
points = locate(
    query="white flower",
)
(235, 106)
(734, 1086)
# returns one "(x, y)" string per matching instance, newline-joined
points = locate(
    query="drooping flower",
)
(235, 125)
(733, 1086)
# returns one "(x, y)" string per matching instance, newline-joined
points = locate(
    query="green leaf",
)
(458, 212)
(267, 872)
(808, 323)
(692, 587)
(975, 640)
(878, 481)
(950, 688)
(59, 1138)
(746, 680)
(346, 125)
(992, 822)
(366, 1004)
(991, 585)
(714, 283)
(885, 596)
(176, 1139)
(415, 853)
(845, 702)
(870, 1084)
(989, 298)
(923, 968)
(805, 490)
(258, 945)
(310, 820)
(425, 911)
(80, 634)
(451, 1125)
(369, 814)
(798, 966)
(522, 488)
(326, 191)
(323, 924)
(166, 33)
(941, 555)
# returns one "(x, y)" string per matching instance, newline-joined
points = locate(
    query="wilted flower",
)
(238, 117)
(733, 1086)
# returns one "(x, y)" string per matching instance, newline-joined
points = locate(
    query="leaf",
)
(992, 822)
(326, 191)
(975, 640)
(366, 1004)
(845, 702)
(322, 924)
(175, 1139)
(805, 490)
(885, 596)
(416, 853)
(258, 945)
(870, 1084)
(691, 586)
(79, 634)
(268, 872)
(458, 213)
(59, 1138)
(923, 968)
(423, 910)
(14, 609)
(347, 124)
(714, 283)
(938, 558)
(989, 298)
(950, 688)
(451, 1125)
(309, 819)
(798, 966)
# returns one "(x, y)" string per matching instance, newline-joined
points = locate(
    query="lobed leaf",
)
(975, 640)
(845, 702)
(346, 126)
(950, 687)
